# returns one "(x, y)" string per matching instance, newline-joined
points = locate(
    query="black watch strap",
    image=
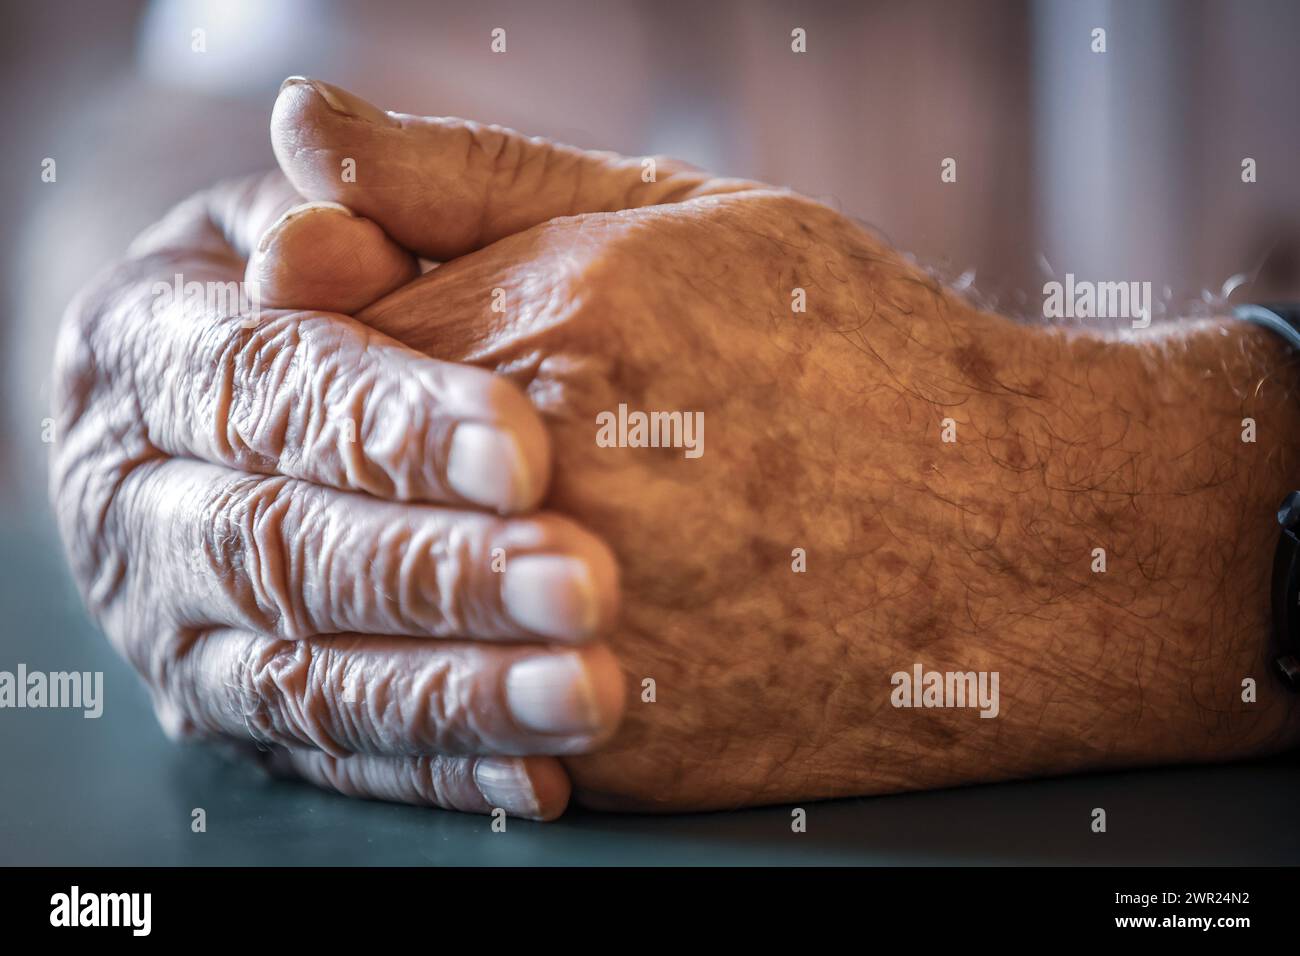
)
(1286, 593)
(1284, 319)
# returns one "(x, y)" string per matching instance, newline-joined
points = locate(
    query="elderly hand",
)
(889, 478)
(307, 536)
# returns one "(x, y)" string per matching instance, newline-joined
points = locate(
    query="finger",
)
(395, 697)
(320, 256)
(290, 559)
(321, 397)
(442, 187)
(295, 254)
(533, 788)
(307, 395)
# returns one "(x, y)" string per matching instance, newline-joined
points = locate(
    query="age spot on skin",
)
(975, 366)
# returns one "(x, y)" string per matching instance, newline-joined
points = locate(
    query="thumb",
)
(443, 187)
(314, 256)
(319, 256)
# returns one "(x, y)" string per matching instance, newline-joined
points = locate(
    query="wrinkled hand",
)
(590, 287)
(593, 288)
(307, 536)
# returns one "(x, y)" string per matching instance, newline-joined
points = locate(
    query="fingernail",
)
(505, 784)
(550, 595)
(341, 101)
(485, 465)
(273, 230)
(553, 695)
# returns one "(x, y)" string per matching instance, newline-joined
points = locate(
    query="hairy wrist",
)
(1092, 517)
(1144, 477)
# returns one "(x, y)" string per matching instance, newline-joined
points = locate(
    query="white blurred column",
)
(1110, 165)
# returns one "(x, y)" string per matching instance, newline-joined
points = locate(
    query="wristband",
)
(1285, 321)
(1286, 592)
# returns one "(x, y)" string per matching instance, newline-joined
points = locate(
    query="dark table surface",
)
(114, 791)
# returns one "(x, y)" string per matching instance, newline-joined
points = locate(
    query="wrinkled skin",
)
(823, 432)
(763, 679)
(267, 523)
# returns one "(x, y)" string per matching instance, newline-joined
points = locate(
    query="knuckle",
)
(283, 699)
(448, 699)
(446, 578)
(386, 431)
(295, 396)
(492, 148)
(249, 376)
(249, 529)
(427, 777)
(381, 706)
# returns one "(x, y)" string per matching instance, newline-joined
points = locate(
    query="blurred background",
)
(1125, 164)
